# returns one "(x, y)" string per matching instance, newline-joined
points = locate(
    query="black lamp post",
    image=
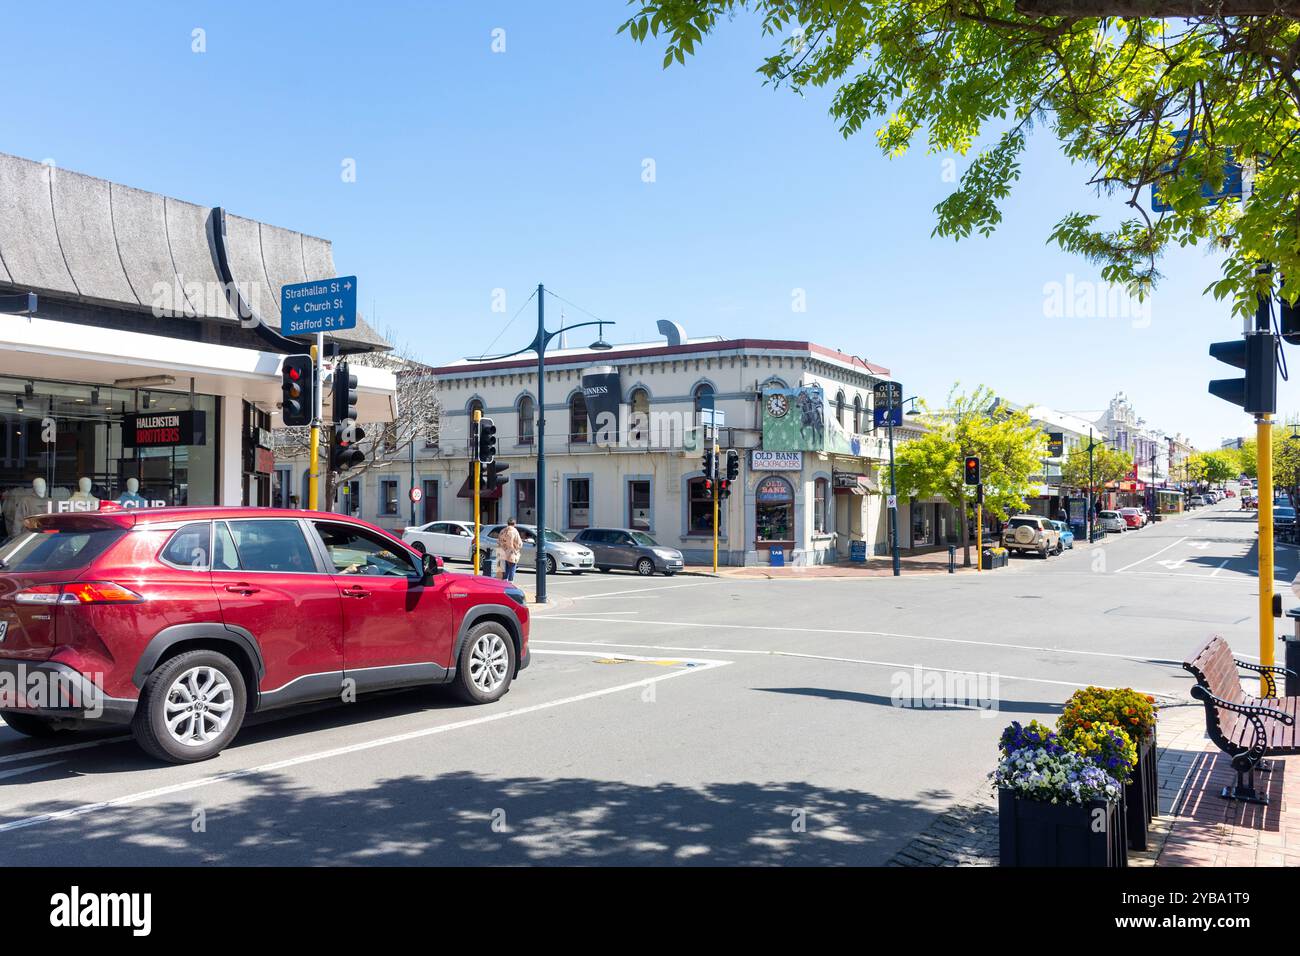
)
(538, 345)
(893, 487)
(1092, 484)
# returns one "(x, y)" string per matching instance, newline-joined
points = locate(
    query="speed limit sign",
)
(416, 495)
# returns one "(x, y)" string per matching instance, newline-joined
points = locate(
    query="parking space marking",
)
(1150, 556)
(4, 775)
(65, 748)
(701, 665)
(663, 587)
(856, 633)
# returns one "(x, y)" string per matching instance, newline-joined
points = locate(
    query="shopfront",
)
(774, 512)
(86, 442)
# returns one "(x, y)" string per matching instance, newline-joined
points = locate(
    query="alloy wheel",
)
(488, 662)
(199, 706)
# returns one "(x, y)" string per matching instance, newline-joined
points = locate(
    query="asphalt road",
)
(671, 721)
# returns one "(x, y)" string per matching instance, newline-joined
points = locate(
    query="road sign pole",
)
(717, 491)
(313, 442)
(979, 527)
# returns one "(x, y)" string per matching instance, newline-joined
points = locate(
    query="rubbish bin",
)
(1291, 659)
(489, 564)
(777, 557)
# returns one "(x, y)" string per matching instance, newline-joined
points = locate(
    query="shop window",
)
(526, 413)
(388, 503)
(774, 510)
(821, 491)
(638, 505)
(579, 502)
(578, 433)
(700, 516)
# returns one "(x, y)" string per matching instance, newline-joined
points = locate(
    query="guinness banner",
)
(164, 429)
(602, 390)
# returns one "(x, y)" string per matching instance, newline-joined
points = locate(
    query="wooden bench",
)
(1245, 727)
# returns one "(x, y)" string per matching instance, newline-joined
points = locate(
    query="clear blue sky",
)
(479, 170)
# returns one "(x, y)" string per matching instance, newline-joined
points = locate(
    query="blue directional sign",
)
(1231, 179)
(323, 305)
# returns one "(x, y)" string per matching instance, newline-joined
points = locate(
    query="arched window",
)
(857, 413)
(526, 411)
(578, 432)
(639, 425)
(774, 510)
(839, 407)
(703, 396)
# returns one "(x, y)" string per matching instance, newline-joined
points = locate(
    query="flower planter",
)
(1038, 833)
(1141, 797)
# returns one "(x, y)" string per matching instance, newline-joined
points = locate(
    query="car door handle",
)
(243, 589)
(356, 592)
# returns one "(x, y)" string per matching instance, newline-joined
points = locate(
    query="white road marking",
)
(855, 633)
(826, 657)
(1150, 556)
(66, 748)
(663, 587)
(144, 795)
(1223, 565)
(21, 770)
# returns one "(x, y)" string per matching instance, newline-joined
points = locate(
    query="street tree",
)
(1009, 445)
(1212, 467)
(385, 444)
(1112, 81)
(1108, 465)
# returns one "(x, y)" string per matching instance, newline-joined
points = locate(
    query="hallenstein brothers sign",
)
(165, 429)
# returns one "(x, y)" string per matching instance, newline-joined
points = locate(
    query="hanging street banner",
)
(323, 305)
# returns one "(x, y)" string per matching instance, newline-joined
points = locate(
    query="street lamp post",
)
(538, 345)
(1092, 484)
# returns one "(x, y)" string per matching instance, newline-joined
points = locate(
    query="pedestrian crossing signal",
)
(972, 470)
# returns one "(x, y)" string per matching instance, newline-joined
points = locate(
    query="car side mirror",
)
(432, 567)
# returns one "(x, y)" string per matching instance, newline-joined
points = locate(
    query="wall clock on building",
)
(777, 405)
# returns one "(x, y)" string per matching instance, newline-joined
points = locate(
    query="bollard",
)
(1291, 659)
(952, 560)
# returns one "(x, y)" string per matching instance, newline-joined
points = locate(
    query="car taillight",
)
(88, 592)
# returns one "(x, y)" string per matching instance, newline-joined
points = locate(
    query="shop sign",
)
(773, 491)
(760, 460)
(265, 461)
(164, 429)
(602, 391)
(1055, 444)
(845, 479)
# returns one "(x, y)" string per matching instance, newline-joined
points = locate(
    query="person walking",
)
(511, 546)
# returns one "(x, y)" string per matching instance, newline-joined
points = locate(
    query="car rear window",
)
(57, 550)
(1023, 523)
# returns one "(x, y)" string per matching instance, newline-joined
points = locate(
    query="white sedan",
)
(450, 540)
(1111, 521)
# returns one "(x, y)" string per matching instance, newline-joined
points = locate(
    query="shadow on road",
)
(449, 820)
(1010, 706)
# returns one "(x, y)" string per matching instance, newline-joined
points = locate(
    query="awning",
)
(467, 491)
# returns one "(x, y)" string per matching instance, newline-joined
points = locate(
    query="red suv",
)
(179, 621)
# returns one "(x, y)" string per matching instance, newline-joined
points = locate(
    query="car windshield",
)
(643, 539)
(1283, 511)
(555, 536)
(1109, 514)
(1023, 523)
(57, 550)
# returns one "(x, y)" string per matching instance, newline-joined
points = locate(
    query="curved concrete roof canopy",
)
(87, 239)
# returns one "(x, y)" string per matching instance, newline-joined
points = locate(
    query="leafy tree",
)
(1108, 464)
(1111, 80)
(1212, 467)
(1010, 447)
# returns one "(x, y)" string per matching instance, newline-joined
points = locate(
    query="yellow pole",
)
(979, 534)
(1264, 451)
(313, 443)
(716, 494)
(477, 469)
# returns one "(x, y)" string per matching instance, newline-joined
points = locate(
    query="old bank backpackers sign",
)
(164, 429)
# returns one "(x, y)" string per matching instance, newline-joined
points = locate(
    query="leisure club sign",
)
(165, 429)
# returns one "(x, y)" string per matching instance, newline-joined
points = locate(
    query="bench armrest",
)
(1250, 710)
(1267, 670)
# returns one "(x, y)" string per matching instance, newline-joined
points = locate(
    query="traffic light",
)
(297, 375)
(344, 453)
(486, 446)
(733, 464)
(972, 470)
(724, 489)
(490, 477)
(1256, 352)
(344, 394)
(1289, 322)
(709, 465)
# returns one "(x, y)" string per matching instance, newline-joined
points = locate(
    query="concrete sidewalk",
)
(928, 562)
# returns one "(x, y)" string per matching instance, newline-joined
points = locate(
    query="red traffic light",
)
(972, 470)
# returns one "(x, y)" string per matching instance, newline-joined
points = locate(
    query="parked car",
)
(449, 540)
(1284, 520)
(1031, 533)
(1133, 517)
(633, 550)
(1196, 501)
(562, 554)
(1229, 493)
(181, 621)
(1111, 521)
(1067, 535)
(1247, 483)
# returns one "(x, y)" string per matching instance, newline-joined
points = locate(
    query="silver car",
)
(633, 550)
(562, 554)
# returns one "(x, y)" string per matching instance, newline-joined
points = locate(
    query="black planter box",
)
(994, 559)
(1141, 797)
(1035, 833)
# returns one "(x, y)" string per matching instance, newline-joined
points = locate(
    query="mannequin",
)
(131, 498)
(82, 499)
(34, 502)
